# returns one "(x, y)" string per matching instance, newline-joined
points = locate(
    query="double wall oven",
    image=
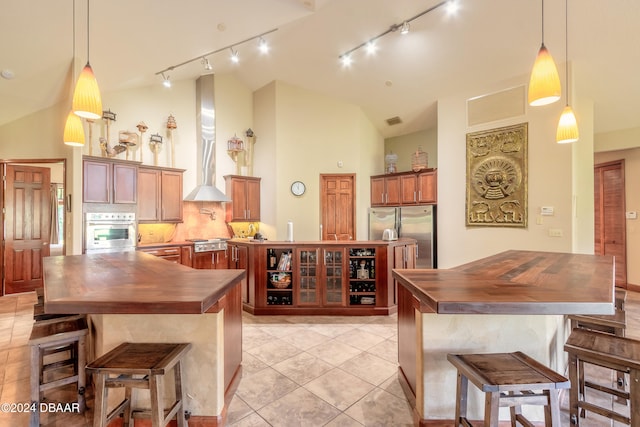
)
(109, 232)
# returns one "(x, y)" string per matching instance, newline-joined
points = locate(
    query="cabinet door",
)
(203, 260)
(125, 178)
(148, 194)
(238, 199)
(409, 188)
(307, 280)
(171, 196)
(253, 200)
(377, 192)
(428, 187)
(393, 191)
(220, 260)
(333, 278)
(186, 253)
(96, 185)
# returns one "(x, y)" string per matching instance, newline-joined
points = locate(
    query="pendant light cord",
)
(542, 22)
(566, 46)
(87, 31)
(73, 58)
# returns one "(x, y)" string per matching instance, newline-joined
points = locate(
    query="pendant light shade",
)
(73, 131)
(544, 85)
(567, 127)
(87, 102)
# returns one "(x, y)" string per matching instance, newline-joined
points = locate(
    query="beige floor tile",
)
(370, 368)
(383, 330)
(339, 388)
(302, 368)
(334, 352)
(306, 340)
(343, 420)
(387, 350)
(251, 364)
(331, 330)
(251, 420)
(298, 408)
(238, 409)
(380, 408)
(264, 387)
(254, 337)
(274, 351)
(360, 339)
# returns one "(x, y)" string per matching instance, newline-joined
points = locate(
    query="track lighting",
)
(262, 46)
(403, 28)
(371, 47)
(235, 57)
(166, 82)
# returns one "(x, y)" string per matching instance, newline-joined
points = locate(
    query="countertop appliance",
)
(109, 232)
(389, 234)
(416, 222)
(209, 245)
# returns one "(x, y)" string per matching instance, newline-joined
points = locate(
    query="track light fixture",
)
(262, 45)
(403, 28)
(235, 57)
(166, 82)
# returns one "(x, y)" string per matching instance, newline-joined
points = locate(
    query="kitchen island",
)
(137, 297)
(512, 301)
(341, 277)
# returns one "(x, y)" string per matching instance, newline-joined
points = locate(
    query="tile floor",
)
(297, 371)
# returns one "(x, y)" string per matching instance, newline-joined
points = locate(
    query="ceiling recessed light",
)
(7, 74)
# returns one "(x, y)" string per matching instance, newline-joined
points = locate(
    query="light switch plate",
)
(546, 210)
(632, 215)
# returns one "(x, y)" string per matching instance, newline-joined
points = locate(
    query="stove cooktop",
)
(207, 245)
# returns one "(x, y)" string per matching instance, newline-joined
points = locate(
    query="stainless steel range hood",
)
(206, 142)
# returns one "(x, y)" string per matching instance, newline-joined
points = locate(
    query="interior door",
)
(610, 221)
(27, 226)
(337, 206)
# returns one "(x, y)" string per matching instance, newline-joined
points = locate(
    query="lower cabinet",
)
(210, 260)
(333, 278)
(179, 254)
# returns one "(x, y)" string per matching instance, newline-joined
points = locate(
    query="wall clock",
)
(298, 188)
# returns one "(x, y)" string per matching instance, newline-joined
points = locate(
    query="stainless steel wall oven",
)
(109, 232)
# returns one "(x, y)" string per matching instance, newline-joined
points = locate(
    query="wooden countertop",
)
(131, 282)
(517, 282)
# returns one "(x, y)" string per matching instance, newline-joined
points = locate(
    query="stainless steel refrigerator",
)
(416, 222)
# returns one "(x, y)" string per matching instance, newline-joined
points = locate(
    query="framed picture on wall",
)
(497, 177)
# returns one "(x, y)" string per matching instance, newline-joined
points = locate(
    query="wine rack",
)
(362, 276)
(279, 276)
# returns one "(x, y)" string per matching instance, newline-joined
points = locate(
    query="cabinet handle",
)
(324, 254)
(414, 196)
(420, 194)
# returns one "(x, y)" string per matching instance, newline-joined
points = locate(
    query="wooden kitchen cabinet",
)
(405, 189)
(385, 190)
(238, 258)
(321, 277)
(109, 180)
(244, 192)
(211, 260)
(159, 194)
(169, 253)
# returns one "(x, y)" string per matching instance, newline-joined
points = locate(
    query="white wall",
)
(312, 134)
(550, 183)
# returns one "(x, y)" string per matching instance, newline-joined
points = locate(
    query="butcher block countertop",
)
(131, 282)
(517, 282)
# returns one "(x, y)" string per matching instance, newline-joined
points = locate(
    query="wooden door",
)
(610, 220)
(96, 182)
(125, 178)
(393, 191)
(337, 206)
(27, 227)
(238, 196)
(377, 192)
(253, 199)
(428, 187)
(409, 189)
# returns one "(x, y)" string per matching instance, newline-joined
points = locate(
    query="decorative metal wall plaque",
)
(497, 177)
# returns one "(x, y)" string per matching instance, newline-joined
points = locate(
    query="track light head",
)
(206, 64)
(166, 82)
(263, 46)
(346, 60)
(404, 29)
(371, 47)
(235, 58)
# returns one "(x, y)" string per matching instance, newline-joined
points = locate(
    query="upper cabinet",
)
(244, 192)
(159, 194)
(385, 190)
(109, 180)
(405, 189)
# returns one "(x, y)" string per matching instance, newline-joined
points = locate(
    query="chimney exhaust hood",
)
(206, 143)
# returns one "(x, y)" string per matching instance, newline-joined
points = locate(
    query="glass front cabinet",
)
(320, 277)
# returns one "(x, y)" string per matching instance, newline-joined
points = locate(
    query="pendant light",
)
(544, 85)
(73, 130)
(87, 102)
(567, 125)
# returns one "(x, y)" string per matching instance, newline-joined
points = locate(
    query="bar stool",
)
(608, 351)
(138, 365)
(66, 340)
(508, 380)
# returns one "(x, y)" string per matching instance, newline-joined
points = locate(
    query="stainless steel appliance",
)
(416, 222)
(209, 245)
(109, 232)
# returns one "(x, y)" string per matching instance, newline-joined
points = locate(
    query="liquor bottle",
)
(373, 270)
(272, 258)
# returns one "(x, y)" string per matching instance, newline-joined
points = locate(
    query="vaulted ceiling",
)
(485, 42)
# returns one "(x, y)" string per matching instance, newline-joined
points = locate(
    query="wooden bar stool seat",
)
(608, 351)
(508, 380)
(139, 365)
(57, 359)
